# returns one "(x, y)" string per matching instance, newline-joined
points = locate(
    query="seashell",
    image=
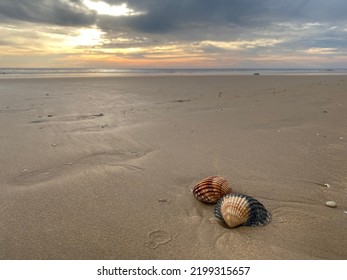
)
(210, 189)
(239, 209)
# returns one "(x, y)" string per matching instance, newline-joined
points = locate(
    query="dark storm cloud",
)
(189, 20)
(171, 15)
(165, 16)
(57, 12)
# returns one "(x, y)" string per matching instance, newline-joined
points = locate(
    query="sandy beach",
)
(102, 168)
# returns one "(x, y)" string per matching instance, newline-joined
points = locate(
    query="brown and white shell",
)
(211, 189)
(239, 209)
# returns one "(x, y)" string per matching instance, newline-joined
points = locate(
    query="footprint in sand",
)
(156, 238)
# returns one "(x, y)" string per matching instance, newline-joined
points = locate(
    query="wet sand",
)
(102, 168)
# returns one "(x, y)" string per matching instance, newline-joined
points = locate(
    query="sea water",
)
(90, 72)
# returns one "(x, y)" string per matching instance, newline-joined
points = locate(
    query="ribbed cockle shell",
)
(210, 189)
(239, 209)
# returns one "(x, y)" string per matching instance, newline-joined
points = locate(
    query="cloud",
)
(297, 24)
(168, 16)
(210, 31)
(172, 15)
(56, 12)
(194, 17)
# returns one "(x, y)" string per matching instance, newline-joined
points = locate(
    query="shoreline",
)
(153, 72)
(115, 76)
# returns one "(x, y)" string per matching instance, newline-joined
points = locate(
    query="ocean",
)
(103, 72)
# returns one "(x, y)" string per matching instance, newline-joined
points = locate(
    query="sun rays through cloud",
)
(170, 33)
(86, 37)
(104, 8)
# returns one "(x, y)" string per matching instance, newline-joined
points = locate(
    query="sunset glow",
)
(171, 33)
(86, 37)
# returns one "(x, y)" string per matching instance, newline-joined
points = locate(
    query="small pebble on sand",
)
(331, 204)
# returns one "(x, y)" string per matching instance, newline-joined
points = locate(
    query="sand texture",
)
(102, 168)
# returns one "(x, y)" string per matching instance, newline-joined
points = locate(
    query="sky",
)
(173, 33)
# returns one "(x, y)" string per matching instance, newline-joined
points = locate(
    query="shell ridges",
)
(211, 189)
(239, 209)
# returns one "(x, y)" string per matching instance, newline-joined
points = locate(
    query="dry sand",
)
(102, 168)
